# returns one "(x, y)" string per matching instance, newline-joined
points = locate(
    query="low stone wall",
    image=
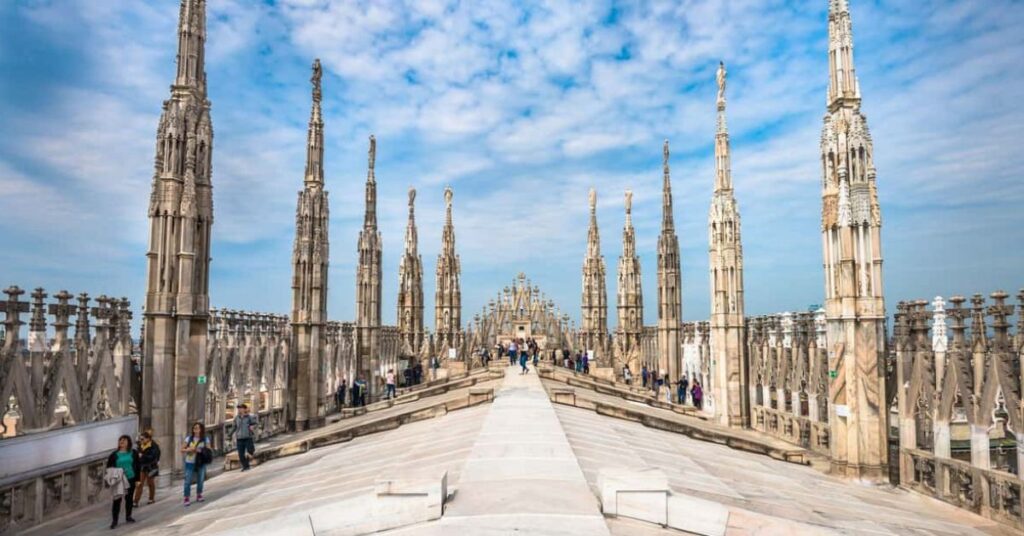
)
(617, 389)
(802, 431)
(992, 494)
(339, 433)
(52, 473)
(697, 430)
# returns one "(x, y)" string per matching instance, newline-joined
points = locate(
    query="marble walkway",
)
(521, 465)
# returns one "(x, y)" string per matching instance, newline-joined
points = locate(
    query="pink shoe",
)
(187, 502)
(199, 498)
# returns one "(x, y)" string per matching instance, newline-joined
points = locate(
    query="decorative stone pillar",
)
(852, 252)
(670, 283)
(310, 259)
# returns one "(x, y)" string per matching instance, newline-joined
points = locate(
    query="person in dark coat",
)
(128, 460)
(149, 460)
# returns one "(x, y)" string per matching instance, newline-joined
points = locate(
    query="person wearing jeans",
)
(389, 383)
(195, 470)
(244, 432)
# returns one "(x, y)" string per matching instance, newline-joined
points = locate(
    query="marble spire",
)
(594, 308)
(725, 256)
(310, 257)
(852, 250)
(448, 289)
(410, 285)
(176, 311)
(630, 300)
(670, 303)
(368, 282)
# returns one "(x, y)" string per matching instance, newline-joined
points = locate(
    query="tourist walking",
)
(389, 384)
(627, 376)
(586, 363)
(149, 459)
(645, 375)
(658, 382)
(684, 385)
(122, 474)
(522, 363)
(536, 356)
(244, 433)
(513, 352)
(697, 393)
(197, 456)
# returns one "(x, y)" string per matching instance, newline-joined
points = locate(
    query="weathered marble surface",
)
(792, 495)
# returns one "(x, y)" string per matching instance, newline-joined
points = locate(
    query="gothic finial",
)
(412, 197)
(629, 202)
(593, 201)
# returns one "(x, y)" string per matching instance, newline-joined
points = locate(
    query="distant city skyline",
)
(521, 110)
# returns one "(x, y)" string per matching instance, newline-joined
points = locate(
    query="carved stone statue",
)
(720, 78)
(412, 196)
(593, 200)
(315, 79)
(373, 151)
(629, 200)
(448, 198)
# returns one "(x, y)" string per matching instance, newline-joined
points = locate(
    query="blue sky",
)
(521, 108)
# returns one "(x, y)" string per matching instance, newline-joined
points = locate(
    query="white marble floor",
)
(760, 484)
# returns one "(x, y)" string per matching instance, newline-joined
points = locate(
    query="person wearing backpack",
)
(197, 456)
(244, 433)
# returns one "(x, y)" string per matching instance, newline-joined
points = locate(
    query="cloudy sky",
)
(521, 108)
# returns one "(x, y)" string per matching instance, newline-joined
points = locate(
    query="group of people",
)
(131, 468)
(355, 395)
(352, 396)
(656, 382)
(523, 351)
(580, 362)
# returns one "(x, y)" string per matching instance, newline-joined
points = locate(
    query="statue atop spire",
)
(315, 80)
(720, 78)
(629, 206)
(448, 205)
(372, 159)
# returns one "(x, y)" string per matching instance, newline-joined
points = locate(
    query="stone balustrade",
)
(959, 407)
